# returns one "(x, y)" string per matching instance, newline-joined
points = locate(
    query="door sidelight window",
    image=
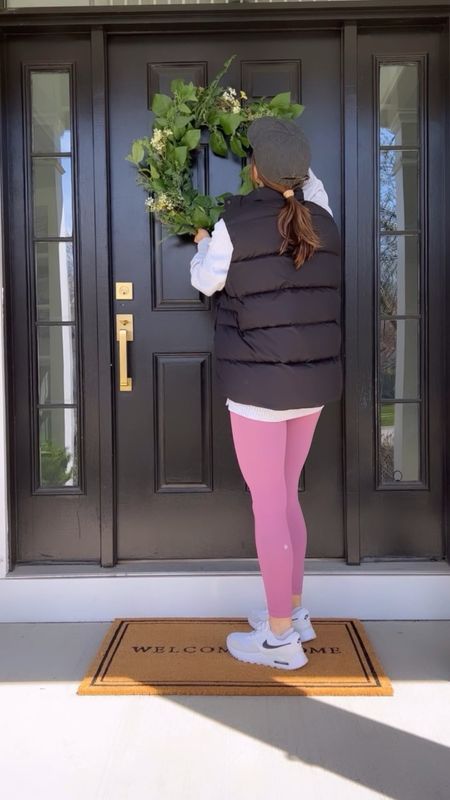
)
(399, 297)
(54, 308)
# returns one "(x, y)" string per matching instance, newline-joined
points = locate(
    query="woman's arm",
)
(209, 266)
(314, 192)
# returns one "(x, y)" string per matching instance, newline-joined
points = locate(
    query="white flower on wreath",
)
(161, 202)
(267, 112)
(159, 139)
(229, 98)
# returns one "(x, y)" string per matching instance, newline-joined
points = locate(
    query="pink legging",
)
(271, 456)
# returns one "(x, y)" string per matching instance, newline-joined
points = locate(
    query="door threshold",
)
(231, 566)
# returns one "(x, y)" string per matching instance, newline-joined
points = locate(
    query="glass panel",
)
(398, 190)
(55, 281)
(399, 275)
(58, 447)
(57, 363)
(52, 195)
(50, 111)
(399, 358)
(399, 442)
(399, 101)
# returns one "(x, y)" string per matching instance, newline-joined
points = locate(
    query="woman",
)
(275, 258)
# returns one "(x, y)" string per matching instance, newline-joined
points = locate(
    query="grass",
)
(387, 411)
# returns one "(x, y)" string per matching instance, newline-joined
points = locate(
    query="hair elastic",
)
(288, 193)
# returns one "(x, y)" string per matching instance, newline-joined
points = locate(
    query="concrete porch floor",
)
(57, 745)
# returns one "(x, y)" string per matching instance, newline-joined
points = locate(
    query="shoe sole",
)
(294, 663)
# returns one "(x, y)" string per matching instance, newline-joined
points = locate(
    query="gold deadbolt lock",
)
(124, 290)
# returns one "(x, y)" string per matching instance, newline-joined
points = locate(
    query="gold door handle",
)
(124, 333)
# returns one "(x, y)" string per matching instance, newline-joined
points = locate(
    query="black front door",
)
(103, 475)
(180, 493)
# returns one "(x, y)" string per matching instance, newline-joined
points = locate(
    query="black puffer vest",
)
(277, 337)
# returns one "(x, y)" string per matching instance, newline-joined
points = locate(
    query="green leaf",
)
(247, 185)
(185, 91)
(161, 104)
(183, 229)
(229, 122)
(181, 120)
(200, 218)
(215, 82)
(214, 215)
(218, 144)
(180, 155)
(176, 85)
(137, 152)
(296, 109)
(244, 140)
(154, 172)
(282, 100)
(191, 138)
(189, 91)
(236, 146)
(180, 124)
(221, 197)
(213, 117)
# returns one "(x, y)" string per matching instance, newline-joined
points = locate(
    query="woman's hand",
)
(201, 233)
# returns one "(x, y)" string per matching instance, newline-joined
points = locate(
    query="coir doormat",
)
(166, 655)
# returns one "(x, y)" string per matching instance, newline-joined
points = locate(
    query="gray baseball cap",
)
(281, 150)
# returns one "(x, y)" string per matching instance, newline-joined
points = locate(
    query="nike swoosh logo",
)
(272, 646)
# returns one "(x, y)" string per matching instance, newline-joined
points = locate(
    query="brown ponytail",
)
(295, 225)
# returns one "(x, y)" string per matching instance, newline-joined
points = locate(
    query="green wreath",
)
(164, 160)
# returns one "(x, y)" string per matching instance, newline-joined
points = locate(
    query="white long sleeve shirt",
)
(209, 268)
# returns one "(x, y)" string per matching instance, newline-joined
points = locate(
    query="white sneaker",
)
(300, 621)
(261, 646)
